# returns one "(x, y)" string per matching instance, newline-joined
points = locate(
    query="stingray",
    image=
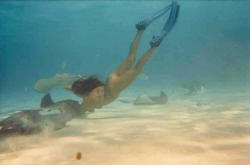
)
(70, 108)
(59, 80)
(145, 99)
(193, 87)
(31, 121)
(34, 120)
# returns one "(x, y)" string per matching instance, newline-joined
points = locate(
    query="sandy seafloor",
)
(209, 129)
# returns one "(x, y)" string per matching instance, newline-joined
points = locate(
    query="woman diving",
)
(96, 93)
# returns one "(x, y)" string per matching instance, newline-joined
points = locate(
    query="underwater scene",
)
(125, 82)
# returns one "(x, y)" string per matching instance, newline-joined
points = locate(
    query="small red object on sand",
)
(78, 155)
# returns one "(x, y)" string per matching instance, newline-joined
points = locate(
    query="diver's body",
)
(97, 94)
(118, 80)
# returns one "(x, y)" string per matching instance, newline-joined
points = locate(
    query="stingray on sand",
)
(34, 120)
(31, 121)
(145, 99)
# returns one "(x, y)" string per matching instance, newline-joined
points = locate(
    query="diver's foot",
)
(156, 41)
(141, 26)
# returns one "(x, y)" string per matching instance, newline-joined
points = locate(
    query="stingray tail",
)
(46, 101)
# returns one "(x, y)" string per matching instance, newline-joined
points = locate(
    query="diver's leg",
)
(132, 73)
(143, 60)
(119, 83)
(129, 62)
(141, 26)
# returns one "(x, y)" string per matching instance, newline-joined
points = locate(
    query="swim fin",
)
(172, 19)
(142, 25)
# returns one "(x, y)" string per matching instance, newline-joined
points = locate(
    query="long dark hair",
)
(84, 86)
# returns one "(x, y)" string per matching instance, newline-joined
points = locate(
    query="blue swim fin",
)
(142, 25)
(172, 19)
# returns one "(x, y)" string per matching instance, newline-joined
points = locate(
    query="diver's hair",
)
(84, 86)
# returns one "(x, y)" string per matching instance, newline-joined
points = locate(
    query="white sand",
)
(181, 132)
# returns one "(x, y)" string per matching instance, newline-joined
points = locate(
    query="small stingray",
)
(193, 87)
(145, 99)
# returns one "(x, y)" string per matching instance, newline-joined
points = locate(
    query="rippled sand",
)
(181, 132)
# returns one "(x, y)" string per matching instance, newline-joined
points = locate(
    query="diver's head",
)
(82, 87)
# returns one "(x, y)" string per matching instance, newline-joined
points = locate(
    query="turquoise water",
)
(210, 44)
